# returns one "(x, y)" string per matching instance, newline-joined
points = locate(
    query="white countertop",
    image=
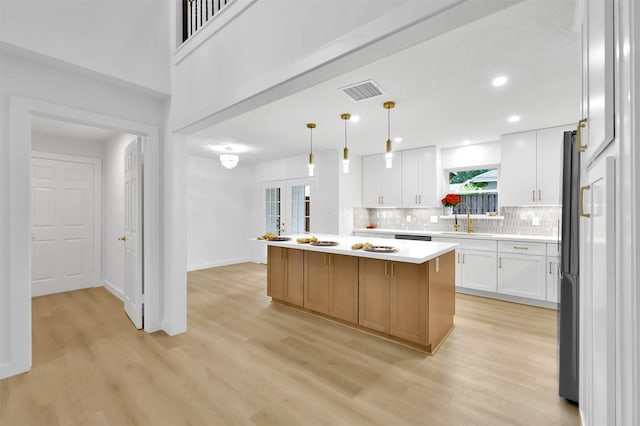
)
(408, 251)
(461, 234)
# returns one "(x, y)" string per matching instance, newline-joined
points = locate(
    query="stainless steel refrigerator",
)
(568, 314)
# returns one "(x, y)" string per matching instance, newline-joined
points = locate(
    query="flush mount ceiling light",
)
(514, 119)
(389, 153)
(311, 126)
(345, 156)
(229, 160)
(499, 81)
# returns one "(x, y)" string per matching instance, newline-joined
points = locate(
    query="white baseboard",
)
(207, 265)
(508, 298)
(114, 290)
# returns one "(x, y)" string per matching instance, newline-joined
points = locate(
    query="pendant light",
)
(311, 126)
(389, 154)
(229, 160)
(345, 155)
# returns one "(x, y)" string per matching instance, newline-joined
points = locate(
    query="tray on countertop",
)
(381, 249)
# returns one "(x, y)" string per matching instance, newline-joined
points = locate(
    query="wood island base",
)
(412, 304)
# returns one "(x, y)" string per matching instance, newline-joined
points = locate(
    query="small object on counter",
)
(303, 240)
(313, 239)
(267, 236)
(381, 249)
(371, 227)
(367, 245)
(491, 213)
(279, 239)
(324, 243)
(357, 246)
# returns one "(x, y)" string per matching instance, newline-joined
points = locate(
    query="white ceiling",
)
(442, 89)
(50, 126)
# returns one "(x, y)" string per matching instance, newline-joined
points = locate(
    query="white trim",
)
(113, 290)
(207, 265)
(20, 111)
(97, 205)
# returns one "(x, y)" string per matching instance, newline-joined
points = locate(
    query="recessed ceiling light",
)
(466, 142)
(499, 81)
(355, 118)
(514, 119)
(397, 140)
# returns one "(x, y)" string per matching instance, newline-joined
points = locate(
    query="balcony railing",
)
(196, 13)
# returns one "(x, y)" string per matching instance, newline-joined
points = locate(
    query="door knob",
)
(123, 238)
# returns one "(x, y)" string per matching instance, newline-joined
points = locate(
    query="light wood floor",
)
(247, 361)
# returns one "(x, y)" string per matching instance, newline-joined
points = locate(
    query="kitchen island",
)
(407, 296)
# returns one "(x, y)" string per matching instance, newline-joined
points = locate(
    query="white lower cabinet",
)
(521, 274)
(476, 269)
(553, 278)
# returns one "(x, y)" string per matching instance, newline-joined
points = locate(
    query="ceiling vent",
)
(363, 90)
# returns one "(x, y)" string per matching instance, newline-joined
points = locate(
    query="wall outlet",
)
(408, 218)
(535, 221)
(434, 219)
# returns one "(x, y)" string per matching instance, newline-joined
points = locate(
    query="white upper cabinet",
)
(597, 78)
(420, 177)
(518, 169)
(531, 168)
(549, 164)
(381, 186)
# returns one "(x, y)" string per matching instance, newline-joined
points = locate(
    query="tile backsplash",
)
(526, 220)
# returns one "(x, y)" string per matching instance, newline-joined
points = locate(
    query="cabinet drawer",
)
(521, 247)
(553, 249)
(470, 244)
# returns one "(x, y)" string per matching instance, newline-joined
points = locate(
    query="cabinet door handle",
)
(458, 257)
(539, 195)
(520, 248)
(580, 146)
(581, 201)
(393, 269)
(533, 195)
(500, 263)
(386, 269)
(550, 263)
(463, 258)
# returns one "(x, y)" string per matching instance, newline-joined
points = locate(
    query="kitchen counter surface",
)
(477, 235)
(408, 251)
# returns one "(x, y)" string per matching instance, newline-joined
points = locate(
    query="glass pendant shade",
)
(228, 160)
(311, 166)
(345, 153)
(388, 157)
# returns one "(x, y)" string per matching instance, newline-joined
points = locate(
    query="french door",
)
(287, 206)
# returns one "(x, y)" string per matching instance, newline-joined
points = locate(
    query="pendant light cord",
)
(389, 123)
(311, 140)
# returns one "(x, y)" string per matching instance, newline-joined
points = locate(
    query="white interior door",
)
(132, 238)
(63, 253)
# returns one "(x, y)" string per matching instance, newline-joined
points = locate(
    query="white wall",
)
(350, 194)
(128, 40)
(219, 213)
(65, 145)
(113, 212)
